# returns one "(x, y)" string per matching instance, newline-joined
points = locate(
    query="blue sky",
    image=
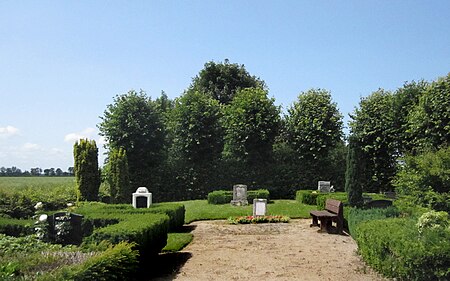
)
(62, 62)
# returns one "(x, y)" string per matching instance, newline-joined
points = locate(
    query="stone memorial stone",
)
(324, 186)
(239, 195)
(142, 198)
(65, 228)
(259, 207)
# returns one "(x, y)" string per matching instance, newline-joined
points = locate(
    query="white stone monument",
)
(259, 207)
(142, 198)
(324, 186)
(239, 195)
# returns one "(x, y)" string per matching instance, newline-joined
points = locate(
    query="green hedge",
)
(357, 216)
(322, 198)
(306, 197)
(394, 247)
(16, 227)
(225, 196)
(147, 227)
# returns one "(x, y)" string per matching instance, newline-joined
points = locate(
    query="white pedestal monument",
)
(142, 198)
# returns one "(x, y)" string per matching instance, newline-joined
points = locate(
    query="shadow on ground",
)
(166, 266)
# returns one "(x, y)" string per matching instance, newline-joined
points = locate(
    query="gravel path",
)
(280, 251)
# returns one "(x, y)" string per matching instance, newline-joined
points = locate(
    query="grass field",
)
(43, 183)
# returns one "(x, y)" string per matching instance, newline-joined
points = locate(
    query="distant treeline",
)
(35, 172)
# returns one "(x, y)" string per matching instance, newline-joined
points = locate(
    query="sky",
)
(63, 62)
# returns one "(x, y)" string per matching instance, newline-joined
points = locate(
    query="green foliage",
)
(308, 197)
(119, 178)
(223, 80)
(433, 220)
(395, 248)
(135, 123)
(373, 130)
(15, 227)
(313, 128)
(220, 197)
(354, 174)
(357, 216)
(252, 122)
(15, 205)
(86, 170)
(429, 120)
(197, 142)
(322, 198)
(177, 241)
(118, 262)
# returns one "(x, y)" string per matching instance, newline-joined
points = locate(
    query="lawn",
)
(197, 210)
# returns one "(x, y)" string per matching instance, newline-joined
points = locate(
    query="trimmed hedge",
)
(225, 196)
(357, 216)
(147, 227)
(395, 248)
(16, 227)
(306, 197)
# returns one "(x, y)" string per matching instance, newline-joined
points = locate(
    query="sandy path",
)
(293, 251)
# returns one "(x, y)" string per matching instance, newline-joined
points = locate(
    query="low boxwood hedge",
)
(306, 197)
(395, 248)
(16, 227)
(225, 196)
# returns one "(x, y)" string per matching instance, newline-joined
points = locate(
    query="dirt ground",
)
(281, 251)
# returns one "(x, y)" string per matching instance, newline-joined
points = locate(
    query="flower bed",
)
(258, 219)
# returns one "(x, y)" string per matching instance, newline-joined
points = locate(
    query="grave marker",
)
(239, 195)
(259, 207)
(142, 198)
(324, 186)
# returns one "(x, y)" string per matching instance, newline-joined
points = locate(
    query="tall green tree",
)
(119, 178)
(372, 125)
(87, 173)
(134, 122)
(354, 175)
(197, 141)
(314, 131)
(430, 119)
(223, 80)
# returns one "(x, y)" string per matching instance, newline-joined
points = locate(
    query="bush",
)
(16, 205)
(307, 197)
(322, 198)
(225, 196)
(395, 248)
(16, 227)
(220, 197)
(432, 220)
(356, 216)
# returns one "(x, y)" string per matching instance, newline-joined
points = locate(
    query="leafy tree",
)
(134, 122)
(373, 128)
(405, 100)
(429, 121)
(223, 80)
(197, 140)
(314, 131)
(87, 173)
(252, 123)
(36, 171)
(355, 173)
(119, 178)
(58, 172)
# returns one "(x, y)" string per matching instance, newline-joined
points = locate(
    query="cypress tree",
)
(354, 173)
(119, 177)
(87, 173)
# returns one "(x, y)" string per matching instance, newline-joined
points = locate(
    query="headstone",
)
(142, 198)
(259, 207)
(239, 195)
(324, 186)
(65, 228)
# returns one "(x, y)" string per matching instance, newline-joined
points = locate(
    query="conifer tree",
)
(87, 173)
(354, 173)
(119, 177)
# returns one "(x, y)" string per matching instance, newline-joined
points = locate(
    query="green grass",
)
(43, 183)
(177, 241)
(197, 210)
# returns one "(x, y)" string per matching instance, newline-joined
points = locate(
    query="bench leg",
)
(314, 222)
(324, 222)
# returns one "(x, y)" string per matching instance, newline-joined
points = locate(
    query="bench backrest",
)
(334, 206)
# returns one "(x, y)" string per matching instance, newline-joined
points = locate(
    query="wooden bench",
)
(333, 213)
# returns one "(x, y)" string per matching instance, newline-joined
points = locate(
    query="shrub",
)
(16, 205)
(395, 248)
(259, 193)
(118, 262)
(356, 216)
(432, 220)
(220, 197)
(322, 198)
(307, 197)
(16, 227)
